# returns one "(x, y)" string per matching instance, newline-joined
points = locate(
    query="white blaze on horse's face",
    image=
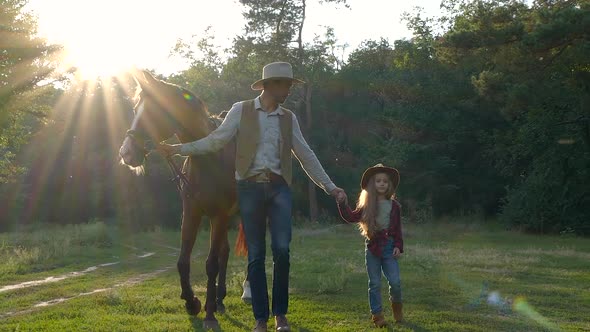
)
(126, 152)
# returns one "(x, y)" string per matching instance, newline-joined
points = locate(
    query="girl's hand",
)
(396, 252)
(340, 195)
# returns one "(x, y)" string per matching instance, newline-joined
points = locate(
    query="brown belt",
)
(265, 177)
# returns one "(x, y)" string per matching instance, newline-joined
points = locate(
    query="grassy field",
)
(455, 277)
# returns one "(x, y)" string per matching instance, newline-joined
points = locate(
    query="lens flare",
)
(521, 306)
(494, 298)
(187, 96)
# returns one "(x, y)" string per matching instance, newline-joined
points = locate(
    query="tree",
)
(25, 62)
(204, 73)
(529, 66)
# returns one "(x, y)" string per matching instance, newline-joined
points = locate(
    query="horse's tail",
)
(241, 246)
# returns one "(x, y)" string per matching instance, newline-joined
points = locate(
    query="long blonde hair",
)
(368, 203)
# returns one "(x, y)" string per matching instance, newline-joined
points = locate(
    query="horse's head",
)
(162, 110)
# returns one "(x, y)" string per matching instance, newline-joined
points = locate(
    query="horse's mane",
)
(188, 96)
(192, 99)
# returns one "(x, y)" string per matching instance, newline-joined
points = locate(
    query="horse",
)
(209, 187)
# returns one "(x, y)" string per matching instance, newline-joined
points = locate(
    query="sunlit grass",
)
(454, 278)
(40, 248)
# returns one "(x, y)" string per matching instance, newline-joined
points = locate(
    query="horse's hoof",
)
(193, 307)
(210, 324)
(220, 308)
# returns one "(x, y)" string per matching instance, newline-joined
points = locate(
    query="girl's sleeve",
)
(349, 215)
(398, 240)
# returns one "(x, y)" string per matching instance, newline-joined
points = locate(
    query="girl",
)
(378, 216)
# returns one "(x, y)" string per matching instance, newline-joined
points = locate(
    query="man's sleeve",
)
(218, 138)
(308, 160)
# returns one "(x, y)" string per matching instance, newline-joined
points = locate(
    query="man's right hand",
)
(339, 194)
(168, 150)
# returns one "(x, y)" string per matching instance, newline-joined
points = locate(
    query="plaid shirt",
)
(379, 240)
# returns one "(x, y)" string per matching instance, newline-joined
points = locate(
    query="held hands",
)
(340, 195)
(167, 149)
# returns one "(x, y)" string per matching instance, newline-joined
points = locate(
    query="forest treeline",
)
(485, 111)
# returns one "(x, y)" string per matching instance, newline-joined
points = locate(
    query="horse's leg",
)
(190, 227)
(218, 236)
(221, 279)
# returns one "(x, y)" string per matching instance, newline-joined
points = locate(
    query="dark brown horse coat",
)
(165, 110)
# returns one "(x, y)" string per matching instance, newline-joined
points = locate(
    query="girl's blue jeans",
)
(390, 268)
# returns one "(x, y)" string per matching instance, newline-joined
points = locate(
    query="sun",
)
(99, 37)
(92, 62)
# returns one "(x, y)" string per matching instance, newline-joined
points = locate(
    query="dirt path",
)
(129, 282)
(62, 277)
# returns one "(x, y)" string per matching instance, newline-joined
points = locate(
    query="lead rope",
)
(179, 177)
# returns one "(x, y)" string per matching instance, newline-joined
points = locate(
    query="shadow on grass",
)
(390, 327)
(412, 326)
(197, 324)
(238, 323)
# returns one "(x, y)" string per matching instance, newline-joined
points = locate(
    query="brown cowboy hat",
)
(276, 70)
(379, 168)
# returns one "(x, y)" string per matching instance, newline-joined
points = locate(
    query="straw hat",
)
(379, 168)
(273, 71)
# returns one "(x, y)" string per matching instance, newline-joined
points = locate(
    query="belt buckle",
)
(263, 178)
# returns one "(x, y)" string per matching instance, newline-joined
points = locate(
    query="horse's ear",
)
(144, 77)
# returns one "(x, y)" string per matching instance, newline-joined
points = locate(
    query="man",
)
(266, 134)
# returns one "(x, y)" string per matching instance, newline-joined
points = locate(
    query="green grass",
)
(450, 274)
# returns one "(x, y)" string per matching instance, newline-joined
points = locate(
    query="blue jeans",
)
(387, 264)
(259, 201)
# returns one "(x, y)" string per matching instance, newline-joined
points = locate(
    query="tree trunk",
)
(300, 34)
(280, 20)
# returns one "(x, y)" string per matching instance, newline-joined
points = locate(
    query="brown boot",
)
(379, 320)
(281, 323)
(398, 315)
(261, 326)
